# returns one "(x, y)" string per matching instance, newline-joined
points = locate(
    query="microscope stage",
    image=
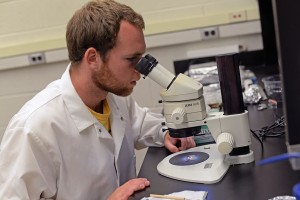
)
(202, 164)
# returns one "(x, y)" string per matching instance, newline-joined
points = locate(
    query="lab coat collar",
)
(78, 110)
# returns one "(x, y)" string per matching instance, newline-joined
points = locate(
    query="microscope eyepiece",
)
(146, 64)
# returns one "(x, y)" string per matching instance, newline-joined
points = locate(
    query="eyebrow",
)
(134, 55)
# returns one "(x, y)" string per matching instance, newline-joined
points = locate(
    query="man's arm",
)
(27, 171)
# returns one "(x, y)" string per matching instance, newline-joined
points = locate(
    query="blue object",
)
(296, 191)
(278, 158)
(254, 80)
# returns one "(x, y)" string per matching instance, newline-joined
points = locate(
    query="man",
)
(76, 138)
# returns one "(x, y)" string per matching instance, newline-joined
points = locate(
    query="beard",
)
(105, 80)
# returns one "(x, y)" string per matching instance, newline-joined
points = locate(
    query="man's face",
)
(118, 75)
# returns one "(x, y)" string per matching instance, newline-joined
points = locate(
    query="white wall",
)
(38, 25)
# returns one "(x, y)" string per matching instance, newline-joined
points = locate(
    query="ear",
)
(91, 56)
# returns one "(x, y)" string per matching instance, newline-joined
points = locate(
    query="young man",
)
(76, 138)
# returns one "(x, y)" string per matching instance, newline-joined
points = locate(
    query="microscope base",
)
(202, 164)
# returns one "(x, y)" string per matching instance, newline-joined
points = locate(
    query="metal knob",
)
(225, 142)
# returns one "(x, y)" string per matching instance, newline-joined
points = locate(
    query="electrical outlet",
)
(237, 16)
(36, 58)
(210, 33)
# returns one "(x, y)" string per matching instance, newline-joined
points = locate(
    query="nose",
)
(138, 74)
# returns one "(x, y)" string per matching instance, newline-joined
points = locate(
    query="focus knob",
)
(225, 142)
(178, 115)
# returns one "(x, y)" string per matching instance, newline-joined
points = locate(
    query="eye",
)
(133, 60)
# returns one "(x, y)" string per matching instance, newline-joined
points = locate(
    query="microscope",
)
(185, 113)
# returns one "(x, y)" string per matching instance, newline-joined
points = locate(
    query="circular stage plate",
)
(189, 158)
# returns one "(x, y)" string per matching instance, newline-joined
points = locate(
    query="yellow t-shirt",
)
(103, 118)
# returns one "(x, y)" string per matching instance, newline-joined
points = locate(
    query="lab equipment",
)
(273, 87)
(185, 113)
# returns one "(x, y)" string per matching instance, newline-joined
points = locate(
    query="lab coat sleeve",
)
(147, 126)
(27, 170)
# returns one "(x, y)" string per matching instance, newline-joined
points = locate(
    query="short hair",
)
(96, 25)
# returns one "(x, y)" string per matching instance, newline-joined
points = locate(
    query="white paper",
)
(187, 194)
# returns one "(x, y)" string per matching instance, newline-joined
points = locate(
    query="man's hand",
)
(186, 143)
(127, 189)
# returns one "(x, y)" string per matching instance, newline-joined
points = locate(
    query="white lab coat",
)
(54, 148)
